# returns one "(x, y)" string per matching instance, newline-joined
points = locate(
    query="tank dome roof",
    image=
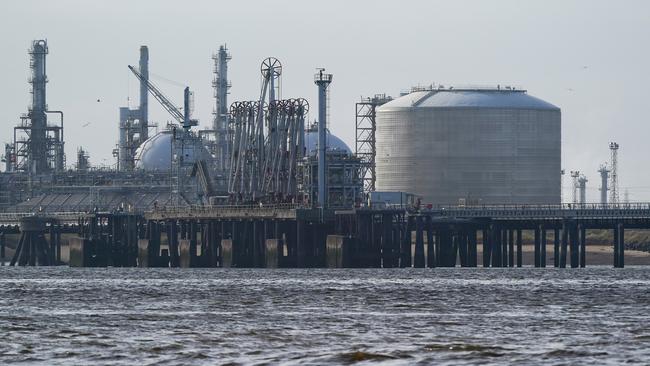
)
(155, 153)
(469, 98)
(333, 142)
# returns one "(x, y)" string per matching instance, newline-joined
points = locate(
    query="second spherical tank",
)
(467, 146)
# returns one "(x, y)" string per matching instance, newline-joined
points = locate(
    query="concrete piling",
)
(511, 248)
(273, 252)
(563, 247)
(406, 244)
(2, 248)
(575, 255)
(519, 249)
(542, 248)
(537, 247)
(487, 247)
(357, 238)
(473, 248)
(431, 251)
(556, 247)
(619, 246)
(583, 246)
(419, 260)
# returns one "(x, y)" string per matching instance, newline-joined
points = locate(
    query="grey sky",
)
(590, 58)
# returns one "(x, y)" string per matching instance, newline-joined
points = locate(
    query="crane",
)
(182, 118)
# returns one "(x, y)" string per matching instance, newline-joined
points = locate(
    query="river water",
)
(456, 316)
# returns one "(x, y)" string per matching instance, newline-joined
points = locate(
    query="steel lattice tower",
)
(613, 183)
(365, 129)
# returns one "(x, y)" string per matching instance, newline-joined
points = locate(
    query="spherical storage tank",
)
(450, 146)
(332, 142)
(155, 154)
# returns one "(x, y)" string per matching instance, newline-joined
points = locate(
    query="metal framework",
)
(365, 138)
(613, 184)
(134, 123)
(38, 147)
(344, 186)
(267, 142)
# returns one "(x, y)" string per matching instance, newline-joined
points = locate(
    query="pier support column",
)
(419, 261)
(32, 248)
(542, 249)
(172, 242)
(619, 246)
(583, 246)
(487, 246)
(511, 248)
(496, 247)
(301, 243)
(575, 255)
(2, 248)
(455, 246)
(621, 250)
(273, 253)
(537, 246)
(462, 247)
(227, 253)
(565, 242)
(143, 252)
(193, 242)
(338, 250)
(519, 249)
(556, 247)
(431, 251)
(256, 250)
(406, 244)
(504, 248)
(449, 248)
(472, 248)
(388, 246)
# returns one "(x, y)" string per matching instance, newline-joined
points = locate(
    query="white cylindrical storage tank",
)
(480, 146)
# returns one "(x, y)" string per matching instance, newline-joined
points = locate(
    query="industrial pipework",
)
(323, 81)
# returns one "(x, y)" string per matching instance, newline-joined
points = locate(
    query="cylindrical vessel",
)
(470, 146)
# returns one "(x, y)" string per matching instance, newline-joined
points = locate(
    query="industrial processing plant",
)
(437, 145)
(259, 151)
(266, 187)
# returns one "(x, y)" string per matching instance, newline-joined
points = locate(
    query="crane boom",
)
(160, 97)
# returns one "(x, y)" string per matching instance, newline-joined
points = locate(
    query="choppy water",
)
(211, 316)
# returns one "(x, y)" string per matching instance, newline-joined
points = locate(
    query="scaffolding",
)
(365, 138)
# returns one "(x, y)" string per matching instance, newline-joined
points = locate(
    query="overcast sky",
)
(590, 58)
